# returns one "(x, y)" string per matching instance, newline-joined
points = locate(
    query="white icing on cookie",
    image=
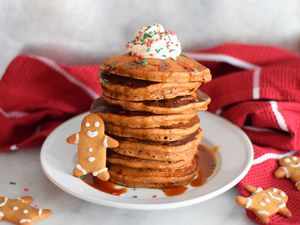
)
(25, 221)
(287, 160)
(274, 190)
(87, 124)
(4, 202)
(259, 189)
(287, 173)
(294, 158)
(267, 200)
(274, 197)
(15, 208)
(96, 124)
(91, 159)
(1, 214)
(76, 138)
(295, 165)
(105, 142)
(263, 212)
(99, 171)
(92, 134)
(40, 212)
(78, 166)
(262, 203)
(282, 194)
(25, 211)
(248, 203)
(90, 149)
(20, 199)
(282, 205)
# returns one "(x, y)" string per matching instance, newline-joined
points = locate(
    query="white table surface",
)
(23, 167)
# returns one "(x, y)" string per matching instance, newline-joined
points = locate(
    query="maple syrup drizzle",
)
(104, 186)
(207, 165)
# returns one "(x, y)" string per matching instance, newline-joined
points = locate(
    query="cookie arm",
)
(241, 200)
(250, 188)
(285, 212)
(280, 173)
(110, 142)
(73, 139)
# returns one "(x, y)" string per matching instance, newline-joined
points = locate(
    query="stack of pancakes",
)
(150, 107)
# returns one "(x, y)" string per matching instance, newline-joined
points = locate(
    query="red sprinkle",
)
(151, 54)
(106, 68)
(154, 196)
(136, 60)
(26, 189)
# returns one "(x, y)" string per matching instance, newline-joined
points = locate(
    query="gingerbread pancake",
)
(162, 151)
(167, 133)
(149, 178)
(116, 115)
(133, 162)
(198, 101)
(128, 89)
(183, 69)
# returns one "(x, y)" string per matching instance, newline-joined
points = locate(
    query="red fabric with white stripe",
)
(255, 87)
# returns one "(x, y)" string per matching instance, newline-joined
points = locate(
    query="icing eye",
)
(87, 124)
(287, 160)
(25, 211)
(97, 124)
(90, 149)
(294, 158)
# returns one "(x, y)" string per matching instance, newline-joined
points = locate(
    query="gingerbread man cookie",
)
(289, 168)
(92, 144)
(18, 211)
(265, 203)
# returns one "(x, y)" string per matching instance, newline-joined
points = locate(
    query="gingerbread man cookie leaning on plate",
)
(92, 144)
(289, 168)
(18, 211)
(265, 203)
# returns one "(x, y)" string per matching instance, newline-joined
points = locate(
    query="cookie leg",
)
(285, 212)
(46, 213)
(241, 200)
(77, 173)
(262, 217)
(104, 176)
(250, 188)
(298, 185)
(279, 173)
(26, 199)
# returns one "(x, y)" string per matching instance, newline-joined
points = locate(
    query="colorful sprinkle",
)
(12, 183)
(154, 196)
(134, 196)
(26, 189)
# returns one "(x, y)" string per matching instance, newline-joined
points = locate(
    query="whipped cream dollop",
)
(154, 42)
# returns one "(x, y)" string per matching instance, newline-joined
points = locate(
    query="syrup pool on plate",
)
(207, 165)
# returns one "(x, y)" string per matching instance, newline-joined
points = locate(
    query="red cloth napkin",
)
(255, 87)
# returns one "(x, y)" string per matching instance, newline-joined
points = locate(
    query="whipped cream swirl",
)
(154, 42)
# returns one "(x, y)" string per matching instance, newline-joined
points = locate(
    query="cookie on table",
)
(92, 143)
(289, 168)
(265, 203)
(18, 211)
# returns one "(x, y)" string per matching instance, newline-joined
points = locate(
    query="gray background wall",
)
(85, 31)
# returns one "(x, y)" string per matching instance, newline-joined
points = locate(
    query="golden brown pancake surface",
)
(183, 69)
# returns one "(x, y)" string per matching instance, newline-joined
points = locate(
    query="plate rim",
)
(154, 206)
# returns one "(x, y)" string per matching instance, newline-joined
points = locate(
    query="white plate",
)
(234, 161)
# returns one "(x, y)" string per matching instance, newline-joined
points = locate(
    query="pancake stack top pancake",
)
(149, 104)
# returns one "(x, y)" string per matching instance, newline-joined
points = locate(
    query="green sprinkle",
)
(82, 177)
(164, 56)
(147, 35)
(183, 54)
(104, 82)
(144, 62)
(12, 183)
(130, 67)
(148, 49)
(158, 50)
